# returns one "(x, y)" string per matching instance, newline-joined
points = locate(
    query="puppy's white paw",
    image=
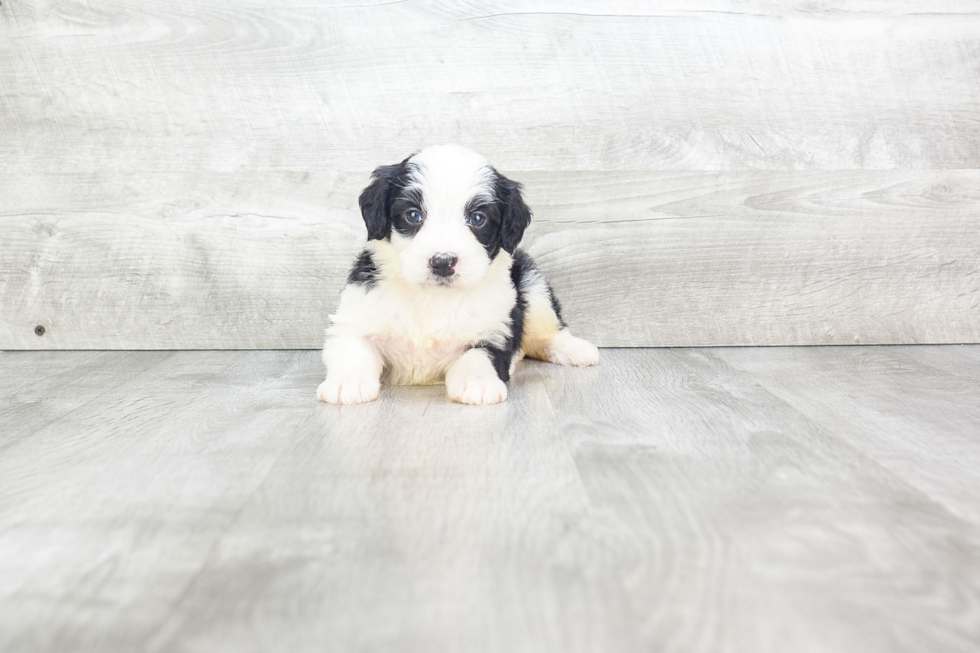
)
(476, 389)
(349, 390)
(566, 349)
(473, 380)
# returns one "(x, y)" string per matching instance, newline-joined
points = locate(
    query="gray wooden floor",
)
(798, 499)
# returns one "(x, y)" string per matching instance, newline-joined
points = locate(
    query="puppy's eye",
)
(413, 216)
(476, 220)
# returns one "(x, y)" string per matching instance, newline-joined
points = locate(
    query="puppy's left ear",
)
(515, 214)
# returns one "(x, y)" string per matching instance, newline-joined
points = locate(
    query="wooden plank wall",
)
(709, 172)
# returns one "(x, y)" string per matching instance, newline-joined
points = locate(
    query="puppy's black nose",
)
(443, 265)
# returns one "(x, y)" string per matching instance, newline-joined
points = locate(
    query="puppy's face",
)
(447, 214)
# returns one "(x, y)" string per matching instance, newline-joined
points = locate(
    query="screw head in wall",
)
(39, 330)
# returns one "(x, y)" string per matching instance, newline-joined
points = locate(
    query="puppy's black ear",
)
(375, 201)
(514, 213)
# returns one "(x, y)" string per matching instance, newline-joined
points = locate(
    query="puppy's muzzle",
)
(443, 265)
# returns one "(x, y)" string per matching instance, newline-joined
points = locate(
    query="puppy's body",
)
(441, 293)
(419, 332)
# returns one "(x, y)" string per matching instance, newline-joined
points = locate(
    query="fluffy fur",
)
(441, 293)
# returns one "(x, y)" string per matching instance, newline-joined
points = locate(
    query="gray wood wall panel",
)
(544, 85)
(185, 175)
(755, 258)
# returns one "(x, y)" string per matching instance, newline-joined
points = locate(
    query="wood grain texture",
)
(184, 175)
(929, 432)
(109, 511)
(38, 390)
(670, 500)
(638, 259)
(963, 361)
(541, 85)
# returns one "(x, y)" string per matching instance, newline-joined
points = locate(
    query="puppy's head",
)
(446, 213)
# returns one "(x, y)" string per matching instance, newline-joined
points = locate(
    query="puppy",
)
(441, 293)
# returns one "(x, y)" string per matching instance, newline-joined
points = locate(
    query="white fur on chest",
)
(421, 332)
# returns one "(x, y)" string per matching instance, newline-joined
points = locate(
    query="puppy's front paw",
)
(348, 390)
(566, 349)
(476, 389)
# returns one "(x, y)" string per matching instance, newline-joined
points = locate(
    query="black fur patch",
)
(501, 357)
(556, 306)
(507, 216)
(376, 200)
(364, 272)
(525, 262)
(515, 216)
(403, 201)
(489, 233)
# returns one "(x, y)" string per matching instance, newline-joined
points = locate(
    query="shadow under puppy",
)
(441, 293)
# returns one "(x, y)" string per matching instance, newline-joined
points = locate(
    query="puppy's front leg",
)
(473, 380)
(354, 369)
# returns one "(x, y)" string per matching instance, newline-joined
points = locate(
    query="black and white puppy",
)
(441, 293)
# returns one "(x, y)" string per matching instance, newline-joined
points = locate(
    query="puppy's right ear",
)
(375, 201)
